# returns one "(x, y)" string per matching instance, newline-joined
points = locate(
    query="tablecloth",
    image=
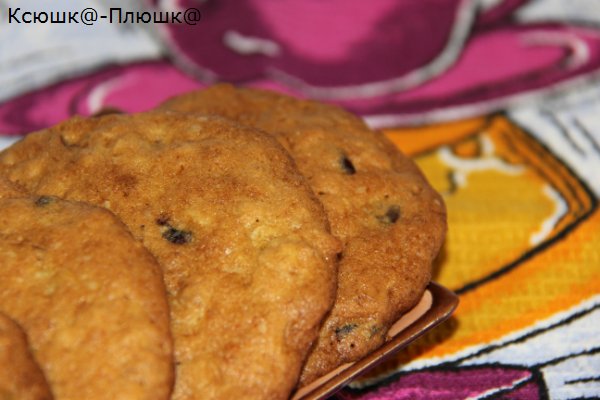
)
(498, 101)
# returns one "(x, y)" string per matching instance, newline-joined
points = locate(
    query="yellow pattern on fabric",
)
(507, 280)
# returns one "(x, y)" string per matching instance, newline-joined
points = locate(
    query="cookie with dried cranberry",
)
(391, 221)
(90, 298)
(20, 376)
(244, 244)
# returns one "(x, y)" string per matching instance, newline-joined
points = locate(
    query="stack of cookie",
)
(231, 242)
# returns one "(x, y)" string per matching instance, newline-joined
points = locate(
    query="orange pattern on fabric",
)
(526, 263)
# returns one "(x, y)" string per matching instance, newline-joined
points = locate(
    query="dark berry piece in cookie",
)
(44, 201)
(391, 215)
(347, 165)
(177, 236)
(344, 330)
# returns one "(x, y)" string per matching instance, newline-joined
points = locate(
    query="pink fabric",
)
(339, 49)
(449, 384)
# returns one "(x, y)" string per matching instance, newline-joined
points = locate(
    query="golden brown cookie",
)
(391, 221)
(20, 376)
(90, 298)
(9, 189)
(243, 242)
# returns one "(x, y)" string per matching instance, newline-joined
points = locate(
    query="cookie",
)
(9, 189)
(90, 298)
(244, 244)
(20, 376)
(392, 223)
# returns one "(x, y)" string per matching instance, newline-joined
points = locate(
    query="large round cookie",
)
(90, 298)
(20, 376)
(244, 244)
(392, 223)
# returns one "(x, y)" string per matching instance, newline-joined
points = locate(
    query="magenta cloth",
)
(394, 62)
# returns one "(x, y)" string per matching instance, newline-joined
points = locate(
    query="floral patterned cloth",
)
(496, 100)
